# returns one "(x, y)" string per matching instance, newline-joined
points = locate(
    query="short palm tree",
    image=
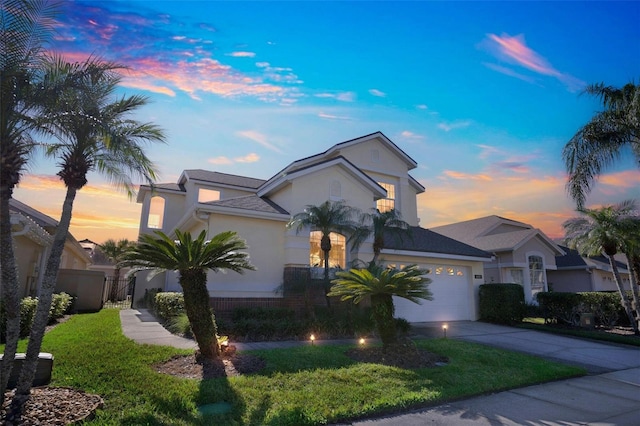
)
(328, 217)
(94, 133)
(380, 285)
(379, 224)
(603, 231)
(25, 27)
(192, 258)
(114, 251)
(600, 142)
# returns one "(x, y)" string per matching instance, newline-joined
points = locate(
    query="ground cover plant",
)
(300, 386)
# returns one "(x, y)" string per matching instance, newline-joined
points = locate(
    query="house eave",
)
(436, 255)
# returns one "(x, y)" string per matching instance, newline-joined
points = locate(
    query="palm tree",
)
(328, 217)
(600, 142)
(95, 133)
(379, 224)
(25, 26)
(603, 231)
(192, 258)
(381, 284)
(114, 251)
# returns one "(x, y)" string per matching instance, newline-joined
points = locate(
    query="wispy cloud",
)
(448, 126)
(249, 158)
(226, 161)
(340, 96)
(378, 93)
(410, 135)
(422, 106)
(333, 117)
(242, 54)
(466, 176)
(259, 138)
(220, 161)
(509, 72)
(515, 50)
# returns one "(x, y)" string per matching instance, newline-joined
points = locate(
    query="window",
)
(439, 270)
(156, 213)
(337, 255)
(536, 273)
(389, 203)
(335, 191)
(206, 195)
(516, 276)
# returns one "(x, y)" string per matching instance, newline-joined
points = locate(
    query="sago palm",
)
(94, 132)
(193, 258)
(328, 217)
(601, 142)
(25, 27)
(603, 231)
(380, 285)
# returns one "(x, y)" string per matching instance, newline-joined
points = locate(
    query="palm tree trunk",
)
(45, 295)
(326, 283)
(196, 303)
(10, 293)
(382, 312)
(633, 281)
(624, 301)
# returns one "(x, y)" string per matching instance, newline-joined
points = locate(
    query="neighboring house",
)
(367, 172)
(577, 273)
(522, 254)
(33, 233)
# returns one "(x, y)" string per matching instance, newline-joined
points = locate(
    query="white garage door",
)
(451, 288)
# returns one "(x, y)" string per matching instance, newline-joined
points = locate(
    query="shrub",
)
(560, 307)
(28, 307)
(567, 307)
(60, 305)
(502, 303)
(168, 305)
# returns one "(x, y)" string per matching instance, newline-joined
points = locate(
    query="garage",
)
(452, 292)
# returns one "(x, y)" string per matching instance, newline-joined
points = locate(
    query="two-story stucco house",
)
(365, 173)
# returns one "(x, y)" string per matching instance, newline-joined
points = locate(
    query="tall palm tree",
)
(381, 284)
(603, 231)
(328, 217)
(94, 133)
(600, 142)
(115, 251)
(25, 27)
(378, 224)
(192, 258)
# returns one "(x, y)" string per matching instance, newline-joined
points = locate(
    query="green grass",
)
(539, 325)
(301, 386)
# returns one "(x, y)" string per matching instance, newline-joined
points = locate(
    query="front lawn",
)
(301, 386)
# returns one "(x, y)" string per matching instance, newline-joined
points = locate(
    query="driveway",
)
(609, 395)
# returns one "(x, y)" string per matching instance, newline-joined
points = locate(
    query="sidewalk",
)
(599, 399)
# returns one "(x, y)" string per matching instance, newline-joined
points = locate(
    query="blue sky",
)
(483, 95)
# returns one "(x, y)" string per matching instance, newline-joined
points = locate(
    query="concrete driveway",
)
(610, 395)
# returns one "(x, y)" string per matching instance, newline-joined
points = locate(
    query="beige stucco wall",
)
(536, 246)
(571, 280)
(87, 286)
(28, 260)
(174, 209)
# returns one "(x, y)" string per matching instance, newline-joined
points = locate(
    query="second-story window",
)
(206, 195)
(156, 213)
(388, 203)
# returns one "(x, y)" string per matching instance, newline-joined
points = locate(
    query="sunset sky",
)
(483, 95)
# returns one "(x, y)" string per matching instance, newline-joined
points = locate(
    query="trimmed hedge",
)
(168, 305)
(60, 304)
(568, 307)
(502, 303)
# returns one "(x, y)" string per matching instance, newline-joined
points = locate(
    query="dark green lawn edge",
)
(584, 334)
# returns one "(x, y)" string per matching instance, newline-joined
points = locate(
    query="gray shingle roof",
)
(224, 178)
(250, 202)
(425, 240)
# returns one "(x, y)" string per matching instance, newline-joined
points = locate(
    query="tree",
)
(378, 224)
(600, 142)
(603, 231)
(115, 251)
(381, 284)
(94, 133)
(25, 27)
(328, 217)
(192, 258)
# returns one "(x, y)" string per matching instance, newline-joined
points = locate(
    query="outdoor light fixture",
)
(444, 330)
(361, 341)
(312, 338)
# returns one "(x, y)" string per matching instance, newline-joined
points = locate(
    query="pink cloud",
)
(242, 54)
(466, 176)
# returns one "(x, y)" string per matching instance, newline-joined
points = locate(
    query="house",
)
(522, 253)
(576, 273)
(367, 172)
(33, 233)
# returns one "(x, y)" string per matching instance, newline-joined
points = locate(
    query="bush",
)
(560, 307)
(502, 303)
(60, 305)
(28, 307)
(168, 305)
(566, 308)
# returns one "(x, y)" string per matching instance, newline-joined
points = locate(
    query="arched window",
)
(337, 255)
(536, 274)
(156, 213)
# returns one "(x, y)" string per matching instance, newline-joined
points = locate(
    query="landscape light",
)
(444, 330)
(312, 338)
(361, 341)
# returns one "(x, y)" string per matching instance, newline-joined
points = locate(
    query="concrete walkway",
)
(610, 395)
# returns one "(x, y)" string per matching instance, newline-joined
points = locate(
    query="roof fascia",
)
(417, 185)
(545, 239)
(435, 255)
